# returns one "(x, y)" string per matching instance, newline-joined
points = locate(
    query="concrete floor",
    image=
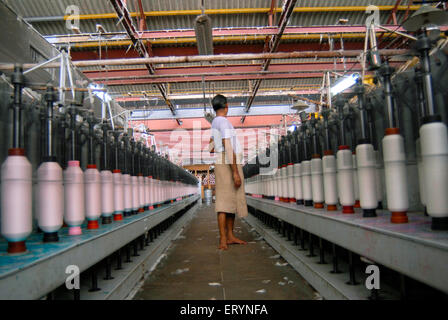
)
(195, 269)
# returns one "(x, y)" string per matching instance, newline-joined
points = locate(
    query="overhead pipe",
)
(50, 188)
(329, 166)
(317, 179)
(434, 146)
(170, 36)
(92, 180)
(220, 57)
(16, 178)
(119, 43)
(164, 13)
(366, 162)
(344, 162)
(394, 156)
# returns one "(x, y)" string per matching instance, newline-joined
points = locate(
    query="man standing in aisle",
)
(229, 184)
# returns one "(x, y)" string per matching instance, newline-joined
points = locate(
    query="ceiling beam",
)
(218, 50)
(198, 78)
(229, 73)
(393, 13)
(218, 69)
(291, 91)
(126, 20)
(142, 19)
(188, 35)
(220, 57)
(272, 13)
(274, 41)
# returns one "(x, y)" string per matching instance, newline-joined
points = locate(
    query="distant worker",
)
(229, 184)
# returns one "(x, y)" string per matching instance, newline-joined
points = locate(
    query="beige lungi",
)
(228, 198)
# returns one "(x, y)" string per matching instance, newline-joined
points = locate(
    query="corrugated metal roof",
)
(32, 8)
(45, 8)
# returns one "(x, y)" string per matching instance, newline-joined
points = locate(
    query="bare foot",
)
(235, 240)
(223, 244)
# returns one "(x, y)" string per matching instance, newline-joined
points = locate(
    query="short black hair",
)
(219, 102)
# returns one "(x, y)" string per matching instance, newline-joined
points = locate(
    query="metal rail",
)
(412, 249)
(45, 272)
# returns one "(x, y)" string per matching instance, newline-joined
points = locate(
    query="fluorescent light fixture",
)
(344, 83)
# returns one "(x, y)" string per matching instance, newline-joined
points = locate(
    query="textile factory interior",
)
(109, 188)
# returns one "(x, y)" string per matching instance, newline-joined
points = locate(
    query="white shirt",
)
(223, 129)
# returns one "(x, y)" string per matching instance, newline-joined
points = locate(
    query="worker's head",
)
(220, 105)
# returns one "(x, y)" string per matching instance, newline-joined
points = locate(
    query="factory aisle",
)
(194, 268)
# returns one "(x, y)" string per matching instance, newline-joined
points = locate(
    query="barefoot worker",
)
(229, 184)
